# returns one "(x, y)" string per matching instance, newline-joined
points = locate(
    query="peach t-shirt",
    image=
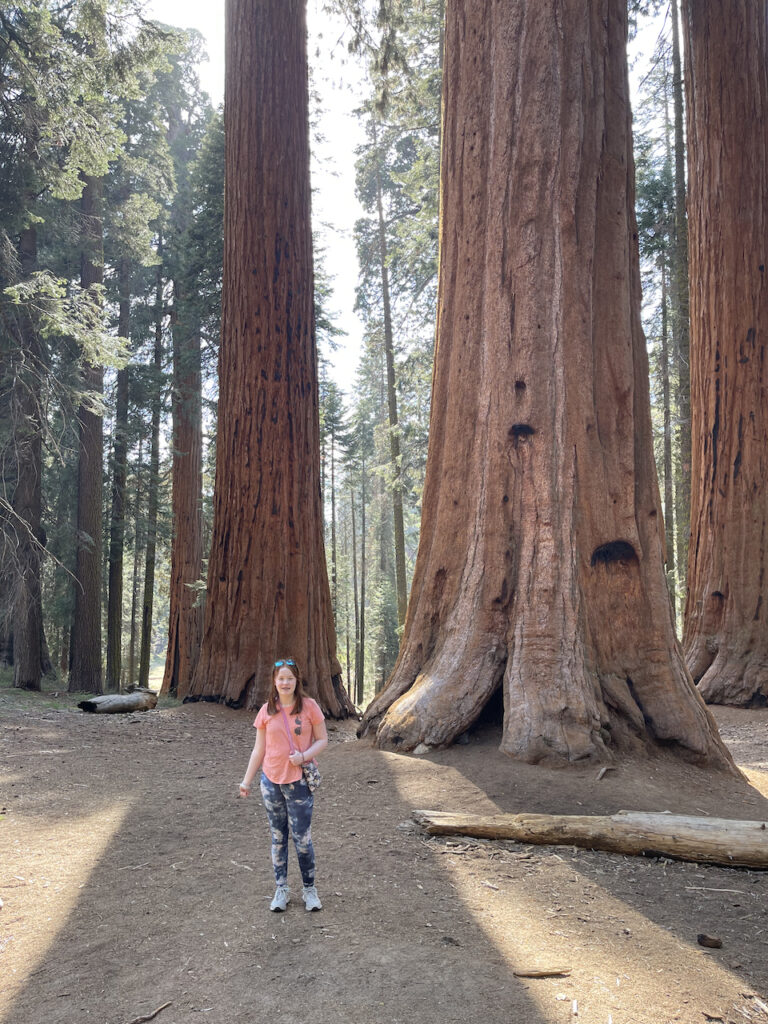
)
(276, 765)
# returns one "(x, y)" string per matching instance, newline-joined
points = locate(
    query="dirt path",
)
(132, 876)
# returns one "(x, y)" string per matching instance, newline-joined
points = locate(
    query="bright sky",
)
(335, 208)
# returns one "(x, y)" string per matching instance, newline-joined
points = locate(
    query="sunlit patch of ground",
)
(43, 877)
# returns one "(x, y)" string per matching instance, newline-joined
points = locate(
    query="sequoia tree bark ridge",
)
(268, 593)
(540, 564)
(725, 634)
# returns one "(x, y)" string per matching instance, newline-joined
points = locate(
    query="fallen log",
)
(542, 972)
(704, 840)
(120, 703)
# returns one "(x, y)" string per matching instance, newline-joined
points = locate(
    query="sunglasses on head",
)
(286, 661)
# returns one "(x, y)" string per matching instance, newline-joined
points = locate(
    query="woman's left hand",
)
(296, 758)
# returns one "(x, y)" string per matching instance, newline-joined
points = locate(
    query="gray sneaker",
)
(310, 897)
(281, 899)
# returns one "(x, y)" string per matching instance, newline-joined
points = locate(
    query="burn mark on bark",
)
(615, 551)
(520, 431)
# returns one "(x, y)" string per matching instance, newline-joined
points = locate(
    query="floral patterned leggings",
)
(290, 803)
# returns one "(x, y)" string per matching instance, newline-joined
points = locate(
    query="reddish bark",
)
(540, 563)
(725, 634)
(268, 592)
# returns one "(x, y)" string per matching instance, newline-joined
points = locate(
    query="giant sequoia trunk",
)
(268, 593)
(726, 619)
(540, 564)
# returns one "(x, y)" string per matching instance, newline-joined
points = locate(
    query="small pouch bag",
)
(312, 775)
(309, 769)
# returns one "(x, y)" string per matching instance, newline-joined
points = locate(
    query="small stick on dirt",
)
(707, 888)
(150, 1016)
(542, 972)
(603, 770)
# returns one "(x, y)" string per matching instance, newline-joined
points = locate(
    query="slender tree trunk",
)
(394, 428)
(268, 592)
(540, 561)
(27, 496)
(154, 490)
(117, 519)
(669, 363)
(669, 504)
(64, 651)
(138, 544)
(7, 535)
(334, 560)
(356, 688)
(363, 568)
(85, 644)
(725, 635)
(186, 613)
(346, 608)
(680, 308)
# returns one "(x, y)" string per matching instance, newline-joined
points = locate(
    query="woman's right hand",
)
(244, 790)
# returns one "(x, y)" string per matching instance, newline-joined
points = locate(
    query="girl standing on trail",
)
(289, 721)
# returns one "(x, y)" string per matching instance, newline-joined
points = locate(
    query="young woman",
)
(286, 795)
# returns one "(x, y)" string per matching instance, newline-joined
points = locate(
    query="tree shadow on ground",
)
(642, 914)
(143, 880)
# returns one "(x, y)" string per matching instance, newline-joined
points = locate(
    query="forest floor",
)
(134, 878)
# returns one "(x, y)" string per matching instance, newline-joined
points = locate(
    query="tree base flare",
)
(741, 681)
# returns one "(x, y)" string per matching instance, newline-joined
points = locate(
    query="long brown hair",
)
(273, 699)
